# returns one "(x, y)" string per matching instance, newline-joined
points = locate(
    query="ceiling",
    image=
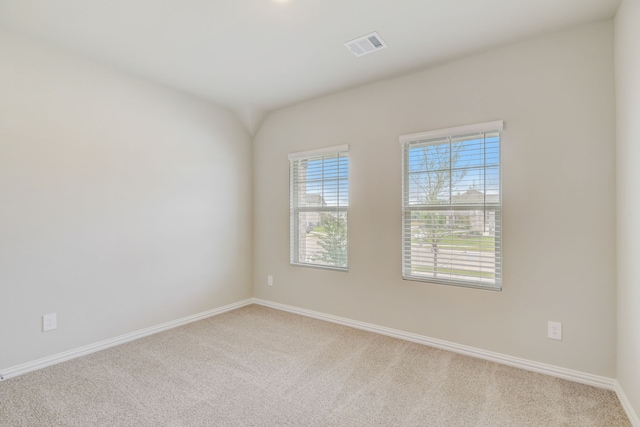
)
(254, 56)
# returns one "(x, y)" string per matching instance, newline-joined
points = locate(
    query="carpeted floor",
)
(261, 367)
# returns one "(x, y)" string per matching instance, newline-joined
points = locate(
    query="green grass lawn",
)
(463, 243)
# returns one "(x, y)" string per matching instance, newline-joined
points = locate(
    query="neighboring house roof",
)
(474, 196)
(314, 200)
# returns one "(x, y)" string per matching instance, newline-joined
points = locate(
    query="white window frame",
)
(295, 206)
(437, 137)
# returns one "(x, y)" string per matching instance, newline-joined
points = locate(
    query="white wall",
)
(556, 95)
(627, 79)
(122, 204)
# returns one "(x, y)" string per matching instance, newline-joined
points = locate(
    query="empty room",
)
(319, 213)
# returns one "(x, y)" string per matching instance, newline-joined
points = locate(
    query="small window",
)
(451, 206)
(319, 201)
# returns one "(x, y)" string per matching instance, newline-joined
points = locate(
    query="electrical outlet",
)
(49, 322)
(555, 330)
(270, 280)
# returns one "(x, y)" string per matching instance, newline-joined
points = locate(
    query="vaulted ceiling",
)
(254, 56)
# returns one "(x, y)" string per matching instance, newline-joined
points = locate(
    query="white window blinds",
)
(451, 206)
(319, 201)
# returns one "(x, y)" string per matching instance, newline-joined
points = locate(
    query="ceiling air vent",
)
(366, 44)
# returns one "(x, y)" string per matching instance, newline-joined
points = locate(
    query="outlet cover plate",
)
(49, 322)
(555, 330)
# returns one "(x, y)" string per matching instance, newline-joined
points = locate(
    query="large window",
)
(319, 200)
(451, 206)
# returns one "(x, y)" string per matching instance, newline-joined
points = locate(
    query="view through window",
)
(319, 200)
(452, 206)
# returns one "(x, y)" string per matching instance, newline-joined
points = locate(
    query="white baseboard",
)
(529, 365)
(102, 345)
(624, 400)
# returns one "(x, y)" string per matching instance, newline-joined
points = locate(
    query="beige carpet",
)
(261, 367)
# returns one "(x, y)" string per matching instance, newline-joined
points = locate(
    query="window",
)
(451, 206)
(319, 200)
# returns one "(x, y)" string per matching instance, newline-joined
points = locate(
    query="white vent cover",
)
(366, 44)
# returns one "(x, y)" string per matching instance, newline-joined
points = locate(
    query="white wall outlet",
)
(555, 330)
(49, 322)
(270, 280)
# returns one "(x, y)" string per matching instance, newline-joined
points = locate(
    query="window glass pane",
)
(492, 150)
(322, 238)
(492, 184)
(429, 187)
(319, 202)
(343, 192)
(467, 153)
(453, 245)
(431, 157)
(468, 186)
(451, 210)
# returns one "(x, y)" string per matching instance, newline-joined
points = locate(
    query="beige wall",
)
(122, 204)
(556, 95)
(627, 60)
